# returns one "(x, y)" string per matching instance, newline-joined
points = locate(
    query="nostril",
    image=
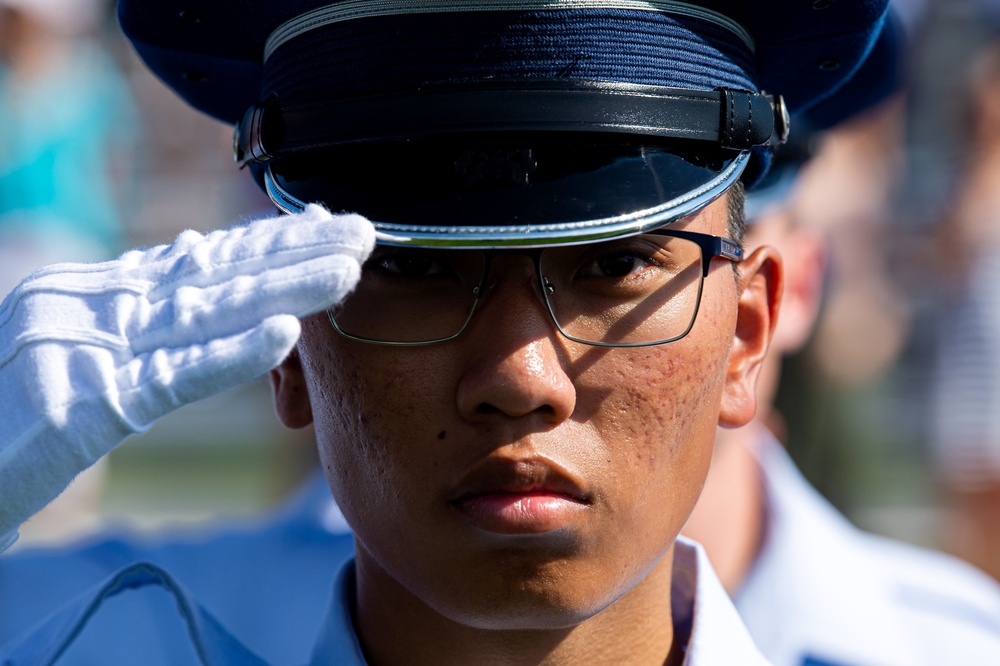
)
(487, 409)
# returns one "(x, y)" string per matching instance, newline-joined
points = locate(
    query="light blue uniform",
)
(702, 613)
(824, 592)
(268, 581)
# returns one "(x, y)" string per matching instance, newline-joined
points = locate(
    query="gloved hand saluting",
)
(91, 353)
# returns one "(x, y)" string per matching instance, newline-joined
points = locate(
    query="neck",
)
(728, 519)
(395, 627)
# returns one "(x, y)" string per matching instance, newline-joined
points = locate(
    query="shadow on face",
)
(511, 478)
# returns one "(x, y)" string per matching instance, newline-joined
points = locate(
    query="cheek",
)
(343, 423)
(660, 427)
(370, 411)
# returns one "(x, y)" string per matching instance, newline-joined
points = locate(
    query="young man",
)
(516, 404)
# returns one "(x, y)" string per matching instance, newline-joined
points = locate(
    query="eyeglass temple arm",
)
(711, 246)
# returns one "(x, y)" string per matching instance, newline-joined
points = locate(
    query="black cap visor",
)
(508, 190)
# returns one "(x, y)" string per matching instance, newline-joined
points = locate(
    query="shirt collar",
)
(717, 632)
(338, 643)
(813, 569)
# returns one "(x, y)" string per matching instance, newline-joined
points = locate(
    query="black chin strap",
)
(730, 119)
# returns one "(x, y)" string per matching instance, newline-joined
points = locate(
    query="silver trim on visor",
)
(537, 235)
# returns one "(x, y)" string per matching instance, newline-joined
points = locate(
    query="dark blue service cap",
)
(495, 122)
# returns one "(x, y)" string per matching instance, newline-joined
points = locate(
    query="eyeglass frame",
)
(711, 247)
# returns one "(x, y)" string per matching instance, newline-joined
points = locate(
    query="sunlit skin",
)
(515, 496)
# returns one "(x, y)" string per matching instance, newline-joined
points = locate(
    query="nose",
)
(518, 365)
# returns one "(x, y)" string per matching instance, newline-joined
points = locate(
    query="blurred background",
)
(892, 410)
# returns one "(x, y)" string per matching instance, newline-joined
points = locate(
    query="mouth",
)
(519, 497)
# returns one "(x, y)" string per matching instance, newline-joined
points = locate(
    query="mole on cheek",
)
(442, 434)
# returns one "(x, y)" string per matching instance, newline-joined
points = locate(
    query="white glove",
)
(91, 353)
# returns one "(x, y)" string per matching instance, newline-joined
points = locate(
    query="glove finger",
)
(198, 315)
(268, 244)
(156, 383)
(198, 261)
(111, 276)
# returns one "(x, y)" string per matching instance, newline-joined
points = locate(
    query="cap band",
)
(212, 54)
(725, 118)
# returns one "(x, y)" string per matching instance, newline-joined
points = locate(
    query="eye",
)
(409, 263)
(617, 262)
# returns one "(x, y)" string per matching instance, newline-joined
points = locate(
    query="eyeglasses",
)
(631, 292)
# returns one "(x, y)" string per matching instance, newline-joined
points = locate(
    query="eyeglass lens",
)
(638, 290)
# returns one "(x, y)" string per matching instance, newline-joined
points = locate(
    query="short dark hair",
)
(737, 222)
(737, 212)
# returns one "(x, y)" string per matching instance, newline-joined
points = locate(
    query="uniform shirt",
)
(702, 613)
(291, 556)
(823, 592)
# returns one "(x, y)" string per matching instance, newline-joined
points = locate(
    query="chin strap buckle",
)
(782, 119)
(248, 135)
(752, 119)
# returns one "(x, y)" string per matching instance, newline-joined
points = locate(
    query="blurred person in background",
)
(812, 588)
(966, 391)
(834, 396)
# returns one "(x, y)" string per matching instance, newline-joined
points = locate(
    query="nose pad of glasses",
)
(508, 271)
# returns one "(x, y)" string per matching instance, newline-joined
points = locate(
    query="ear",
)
(291, 395)
(757, 314)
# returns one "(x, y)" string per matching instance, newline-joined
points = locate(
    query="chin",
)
(529, 614)
(533, 598)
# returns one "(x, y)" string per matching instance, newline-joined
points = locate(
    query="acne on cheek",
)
(351, 457)
(368, 413)
(667, 399)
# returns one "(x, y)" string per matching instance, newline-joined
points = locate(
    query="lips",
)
(512, 497)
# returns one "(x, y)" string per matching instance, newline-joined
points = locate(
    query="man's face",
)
(511, 478)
